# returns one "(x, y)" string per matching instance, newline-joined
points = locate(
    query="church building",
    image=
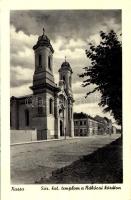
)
(49, 109)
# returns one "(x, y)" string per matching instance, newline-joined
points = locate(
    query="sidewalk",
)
(59, 139)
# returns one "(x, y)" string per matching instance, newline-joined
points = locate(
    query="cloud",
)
(79, 94)
(21, 48)
(20, 76)
(67, 23)
(73, 44)
(22, 59)
(56, 77)
(95, 38)
(19, 40)
(21, 90)
(70, 31)
(91, 109)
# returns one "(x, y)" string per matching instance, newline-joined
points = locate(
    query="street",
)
(30, 162)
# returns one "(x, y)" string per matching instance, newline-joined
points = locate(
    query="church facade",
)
(49, 109)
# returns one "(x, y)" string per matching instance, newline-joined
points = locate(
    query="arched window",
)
(61, 128)
(50, 106)
(40, 60)
(27, 117)
(70, 81)
(49, 63)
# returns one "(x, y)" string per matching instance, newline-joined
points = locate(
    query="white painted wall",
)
(18, 136)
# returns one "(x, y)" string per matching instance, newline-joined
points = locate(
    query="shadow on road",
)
(103, 166)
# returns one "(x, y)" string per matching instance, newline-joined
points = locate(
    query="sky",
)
(70, 32)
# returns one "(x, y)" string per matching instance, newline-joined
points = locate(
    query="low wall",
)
(18, 136)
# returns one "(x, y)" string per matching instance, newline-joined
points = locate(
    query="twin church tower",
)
(49, 109)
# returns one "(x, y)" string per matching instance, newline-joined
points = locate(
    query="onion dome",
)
(43, 40)
(66, 66)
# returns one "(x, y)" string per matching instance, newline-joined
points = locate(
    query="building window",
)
(80, 123)
(40, 110)
(90, 123)
(70, 81)
(71, 113)
(10, 120)
(27, 117)
(40, 105)
(63, 78)
(40, 60)
(85, 132)
(49, 63)
(68, 113)
(81, 131)
(84, 122)
(50, 106)
(76, 122)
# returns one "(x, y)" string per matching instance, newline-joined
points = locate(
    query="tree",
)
(105, 73)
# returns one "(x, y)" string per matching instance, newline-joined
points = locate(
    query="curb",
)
(50, 140)
(40, 141)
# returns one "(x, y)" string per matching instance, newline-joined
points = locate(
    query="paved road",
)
(30, 162)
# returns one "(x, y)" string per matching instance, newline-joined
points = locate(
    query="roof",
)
(84, 115)
(80, 115)
(66, 65)
(20, 97)
(43, 40)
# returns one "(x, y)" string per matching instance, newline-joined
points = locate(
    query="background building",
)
(80, 124)
(85, 125)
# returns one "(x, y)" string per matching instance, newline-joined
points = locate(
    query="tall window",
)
(40, 105)
(49, 62)
(68, 113)
(40, 60)
(50, 106)
(76, 122)
(70, 81)
(26, 117)
(84, 122)
(71, 113)
(10, 119)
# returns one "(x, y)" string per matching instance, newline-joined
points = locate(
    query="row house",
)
(85, 125)
(81, 127)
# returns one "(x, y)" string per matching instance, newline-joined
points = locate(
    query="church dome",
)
(66, 65)
(43, 40)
